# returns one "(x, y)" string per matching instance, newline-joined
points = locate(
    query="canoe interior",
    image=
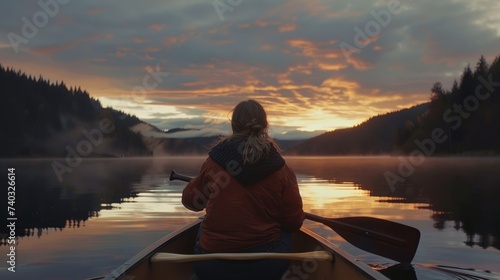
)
(182, 241)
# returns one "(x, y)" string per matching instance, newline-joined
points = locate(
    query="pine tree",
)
(481, 68)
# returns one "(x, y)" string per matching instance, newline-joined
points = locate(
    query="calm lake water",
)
(106, 210)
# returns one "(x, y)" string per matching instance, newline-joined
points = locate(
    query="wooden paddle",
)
(173, 257)
(385, 238)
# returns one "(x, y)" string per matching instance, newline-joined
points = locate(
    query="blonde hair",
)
(249, 122)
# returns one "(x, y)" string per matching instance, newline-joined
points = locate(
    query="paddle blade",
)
(381, 237)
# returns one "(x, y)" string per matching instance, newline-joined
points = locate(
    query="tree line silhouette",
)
(42, 117)
(375, 136)
(38, 111)
(468, 115)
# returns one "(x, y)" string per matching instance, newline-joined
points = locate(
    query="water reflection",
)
(471, 204)
(42, 202)
(462, 193)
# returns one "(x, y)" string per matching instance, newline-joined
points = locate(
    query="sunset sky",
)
(315, 65)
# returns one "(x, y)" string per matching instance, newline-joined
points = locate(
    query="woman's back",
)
(251, 198)
(240, 216)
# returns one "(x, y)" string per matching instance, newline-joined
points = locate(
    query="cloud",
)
(157, 26)
(95, 11)
(285, 54)
(57, 48)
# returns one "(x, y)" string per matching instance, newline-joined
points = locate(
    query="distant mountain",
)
(287, 144)
(45, 119)
(378, 135)
(179, 129)
(167, 143)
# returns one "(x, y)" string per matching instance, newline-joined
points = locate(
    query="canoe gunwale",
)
(150, 251)
(338, 254)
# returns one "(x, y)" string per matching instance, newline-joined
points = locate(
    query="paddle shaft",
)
(382, 237)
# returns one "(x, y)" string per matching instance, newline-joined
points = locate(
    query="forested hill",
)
(378, 135)
(45, 119)
(464, 120)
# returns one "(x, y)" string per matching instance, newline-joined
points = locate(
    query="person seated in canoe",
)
(251, 197)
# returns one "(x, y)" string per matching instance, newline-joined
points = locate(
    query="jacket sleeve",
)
(196, 193)
(293, 214)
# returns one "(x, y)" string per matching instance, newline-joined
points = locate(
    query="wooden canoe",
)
(181, 241)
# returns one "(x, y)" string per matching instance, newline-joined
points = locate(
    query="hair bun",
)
(254, 126)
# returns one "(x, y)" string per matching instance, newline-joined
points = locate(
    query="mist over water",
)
(106, 210)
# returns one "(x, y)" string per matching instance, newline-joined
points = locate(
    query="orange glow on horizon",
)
(336, 102)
